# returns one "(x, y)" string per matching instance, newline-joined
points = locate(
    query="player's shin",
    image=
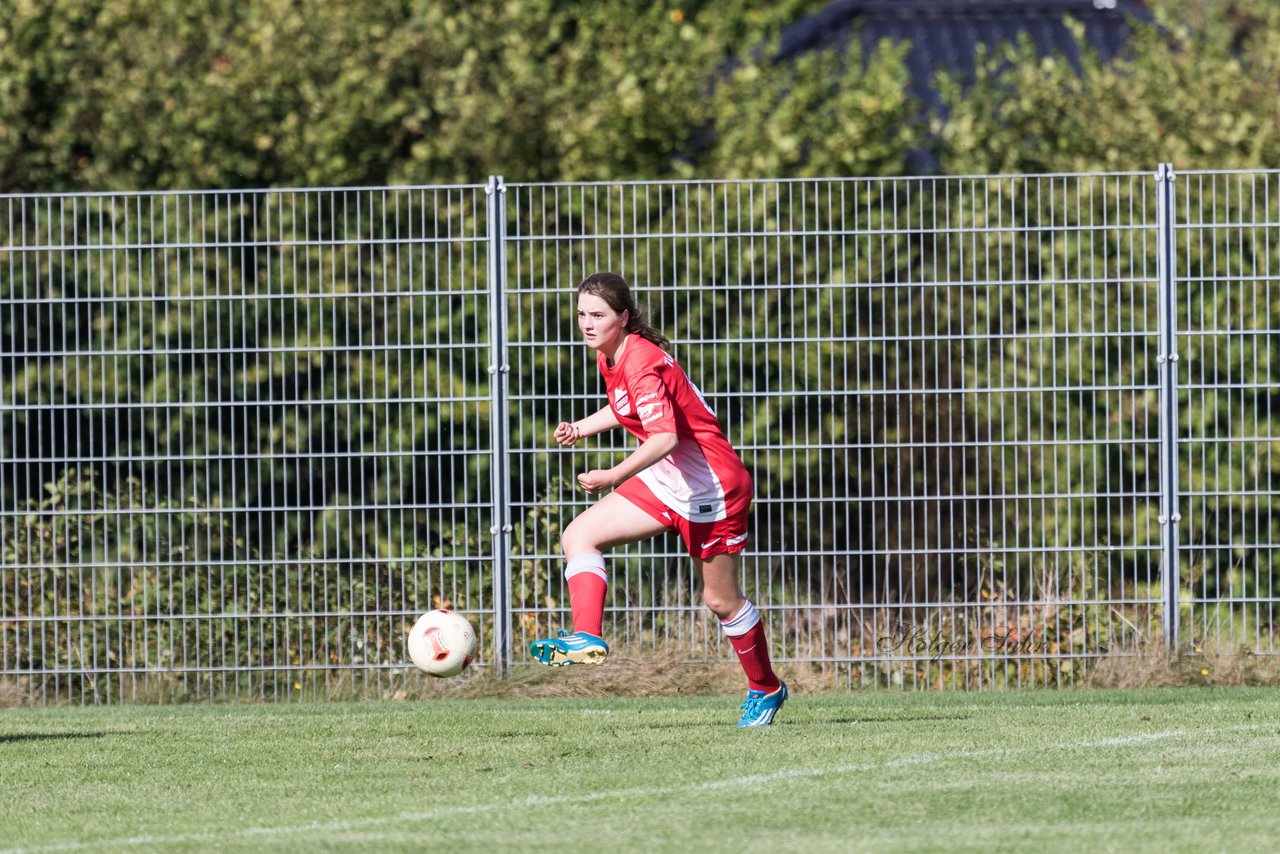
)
(587, 582)
(747, 635)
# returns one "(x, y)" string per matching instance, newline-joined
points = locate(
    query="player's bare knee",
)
(723, 605)
(574, 540)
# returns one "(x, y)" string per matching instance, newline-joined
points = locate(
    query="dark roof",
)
(943, 33)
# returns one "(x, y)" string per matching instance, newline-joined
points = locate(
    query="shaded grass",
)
(1111, 770)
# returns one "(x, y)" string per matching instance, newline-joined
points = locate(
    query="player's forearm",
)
(653, 449)
(597, 422)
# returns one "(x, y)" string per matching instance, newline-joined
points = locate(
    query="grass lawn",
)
(1187, 769)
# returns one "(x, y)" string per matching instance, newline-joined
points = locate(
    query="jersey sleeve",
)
(653, 404)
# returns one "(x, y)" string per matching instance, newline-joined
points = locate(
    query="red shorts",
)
(703, 539)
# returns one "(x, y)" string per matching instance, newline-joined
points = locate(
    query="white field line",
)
(616, 794)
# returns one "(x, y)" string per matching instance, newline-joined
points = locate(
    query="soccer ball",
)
(442, 643)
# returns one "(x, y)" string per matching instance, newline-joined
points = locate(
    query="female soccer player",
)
(685, 476)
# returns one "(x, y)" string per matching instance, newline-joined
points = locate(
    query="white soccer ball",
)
(442, 643)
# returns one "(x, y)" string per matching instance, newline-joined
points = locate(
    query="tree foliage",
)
(127, 94)
(131, 94)
(1196, 97)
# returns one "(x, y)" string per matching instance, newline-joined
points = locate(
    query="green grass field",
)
(1172, 769)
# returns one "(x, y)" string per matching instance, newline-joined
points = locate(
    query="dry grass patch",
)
(623, 675)
(1156, 666)
(11, 694)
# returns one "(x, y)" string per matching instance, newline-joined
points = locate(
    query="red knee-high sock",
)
(746, 633)
(587, 585)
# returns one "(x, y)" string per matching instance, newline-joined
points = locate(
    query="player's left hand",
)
(596, 481)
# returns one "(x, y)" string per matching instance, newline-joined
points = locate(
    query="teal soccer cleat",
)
(570, 648)
(760, 707)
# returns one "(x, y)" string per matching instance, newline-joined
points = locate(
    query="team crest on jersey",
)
(621, 402)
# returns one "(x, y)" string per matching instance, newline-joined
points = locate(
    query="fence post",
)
(499, 424)
(1167, 360)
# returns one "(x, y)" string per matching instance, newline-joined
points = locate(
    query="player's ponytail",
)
(613, 289)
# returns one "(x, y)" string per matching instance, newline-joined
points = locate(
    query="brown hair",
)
(613, 289)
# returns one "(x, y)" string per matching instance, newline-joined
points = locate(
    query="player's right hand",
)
(567, 434)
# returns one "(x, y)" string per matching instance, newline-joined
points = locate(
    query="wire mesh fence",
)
(940, 386)
(244, 435)
(247, 437)
(1227, 227)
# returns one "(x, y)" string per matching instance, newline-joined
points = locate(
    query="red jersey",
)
(703, 480)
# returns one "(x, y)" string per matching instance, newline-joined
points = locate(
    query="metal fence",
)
(999, 426)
